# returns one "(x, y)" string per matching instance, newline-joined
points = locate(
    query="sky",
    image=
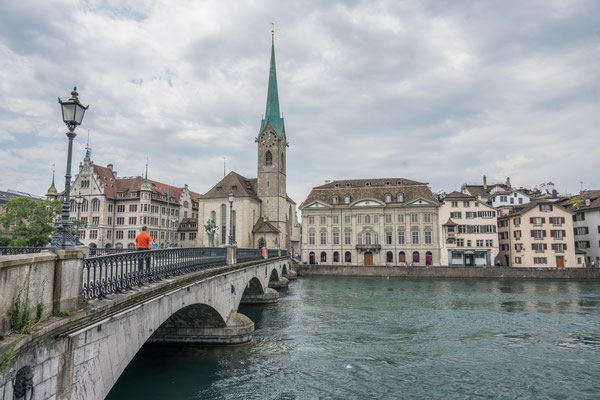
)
(435, 91)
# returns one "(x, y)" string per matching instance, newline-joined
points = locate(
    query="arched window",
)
(388, 198)
(269, 159)
(108, 246)
(367, 237)
(311, 257)
(93, 245)
(389, 257)
(186, 204)
(400, 197)
(131, 246)
(84, 206)
(416, 256)
(336, 256)
(428, 258)
(223, 223)
(323, 256)
(348, 257)
(95, 205)
(401, 257)
(335, 199)
(73, 207)
(347, 199)
(261, 243)
(119, 246)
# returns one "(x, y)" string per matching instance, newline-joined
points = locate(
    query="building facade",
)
(538, 234)
(371, 222)
(508, 199)
(468, 233)
(115, 209)
(262, 213)
(586, 223)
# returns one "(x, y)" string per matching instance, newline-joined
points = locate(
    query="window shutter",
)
(543, 220)
(532, 246)
(551, 232)
(550, 207)
(553, 246)
(562, 219)
(565, 246)
(515, 234)
(564, 233)
(544, 233)
(545, 246)
(532, 235)
(540, 207)
(531, 220)
(479, 213)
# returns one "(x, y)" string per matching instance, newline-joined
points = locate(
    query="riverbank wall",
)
(450, 272)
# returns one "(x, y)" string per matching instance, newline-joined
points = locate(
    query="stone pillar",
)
(270, 296)
(291, 275)
(231, 255)
(280, 284)
(68, 279)
(238, 329)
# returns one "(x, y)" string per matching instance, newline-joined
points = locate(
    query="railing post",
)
(231, 255)
(68, 279)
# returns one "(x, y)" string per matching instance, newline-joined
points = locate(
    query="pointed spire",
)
(52, 189)
(272, 113)
(146, 186)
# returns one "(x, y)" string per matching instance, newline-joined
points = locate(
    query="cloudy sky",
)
(439, 91)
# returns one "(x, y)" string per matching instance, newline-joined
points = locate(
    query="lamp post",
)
(231, 197)
(72, 112)
(79, 201)
(264, 219)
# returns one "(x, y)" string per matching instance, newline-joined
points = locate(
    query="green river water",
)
(374, 338)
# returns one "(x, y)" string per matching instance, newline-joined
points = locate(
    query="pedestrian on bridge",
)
(143, 241)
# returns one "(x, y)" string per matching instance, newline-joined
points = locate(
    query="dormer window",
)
(367, 183)
(399, 183)
(346, 199)
(337, 185)
(334, 199)
(387, 182)
(388, 198)
(400, 197)
(348, 184)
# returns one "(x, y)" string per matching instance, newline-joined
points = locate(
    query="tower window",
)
(269, 159)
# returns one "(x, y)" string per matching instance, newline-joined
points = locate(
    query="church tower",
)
(272, 145)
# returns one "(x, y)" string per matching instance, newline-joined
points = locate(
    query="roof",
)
(579, 251)
(188, 224)
(240, 185)
(479, 191)
(106, 176)
(522, 209)
(267, 227)
(377, 189)
(272, 113)
(450, 223)
(591, 197)
(459, 195)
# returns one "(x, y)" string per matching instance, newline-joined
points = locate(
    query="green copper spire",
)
(146, 186)
(272, 113)
(52, 189)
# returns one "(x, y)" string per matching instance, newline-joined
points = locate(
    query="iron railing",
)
(245, 255)
(95, 252)
(284, 253)
(272, 253)
(10, 251)
(116, 273)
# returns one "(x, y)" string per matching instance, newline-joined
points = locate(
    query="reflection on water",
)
(358, 338)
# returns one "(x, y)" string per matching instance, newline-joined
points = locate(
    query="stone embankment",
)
(450, 272)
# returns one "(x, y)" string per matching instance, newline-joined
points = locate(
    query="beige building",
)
(371, 221)
(468, 235)
(262, 213)
(115, 209)
(538, 234)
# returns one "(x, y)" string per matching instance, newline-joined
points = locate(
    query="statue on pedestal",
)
(210, 229)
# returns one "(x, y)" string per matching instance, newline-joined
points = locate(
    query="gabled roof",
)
(459, 195)
(591, 199)
(268, 227)
(240, 185)
(522, 209)
(450, 223)
(107, 180)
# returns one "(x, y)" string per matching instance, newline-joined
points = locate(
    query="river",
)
(374, 338)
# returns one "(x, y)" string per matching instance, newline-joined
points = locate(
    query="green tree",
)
(29, 222)
(575, 202)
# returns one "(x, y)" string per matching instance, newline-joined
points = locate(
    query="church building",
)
(262, 212)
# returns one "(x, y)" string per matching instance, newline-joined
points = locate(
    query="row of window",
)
(389, 257)
(335, 199)
(122, 207)
(536, 234)
(472, 229)
(371, 238)
(478, 243)
(465, 203)
(473, 214)
(368, 219)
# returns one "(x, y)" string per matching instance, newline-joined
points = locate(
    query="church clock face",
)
(268, 139)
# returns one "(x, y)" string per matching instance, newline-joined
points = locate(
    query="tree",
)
(575, 202)
(29, 222)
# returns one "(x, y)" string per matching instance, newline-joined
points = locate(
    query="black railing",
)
(245, 255)
(272, 253)
(9, 251)
(116, 273)
(284, 253)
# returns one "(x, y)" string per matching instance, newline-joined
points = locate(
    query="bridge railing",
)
(245, 255)
(116, 273)
(272, 253)
(97, 251)
(10, 251)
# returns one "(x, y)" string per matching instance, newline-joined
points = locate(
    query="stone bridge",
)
(82, 356)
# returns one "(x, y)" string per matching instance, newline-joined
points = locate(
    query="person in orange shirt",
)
(143, 241)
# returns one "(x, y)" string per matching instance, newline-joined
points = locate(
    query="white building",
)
(586, 223)
(509, 198)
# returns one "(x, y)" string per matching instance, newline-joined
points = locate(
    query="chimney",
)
(484, 183)
(508, 182)
(588, 202)
(115, 174)
(186, 186)
(327, 181)
(110, 166)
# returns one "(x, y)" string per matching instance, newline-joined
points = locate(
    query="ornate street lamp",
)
(79, 201)
(72, 111)
(264, 219)
(231, 197)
